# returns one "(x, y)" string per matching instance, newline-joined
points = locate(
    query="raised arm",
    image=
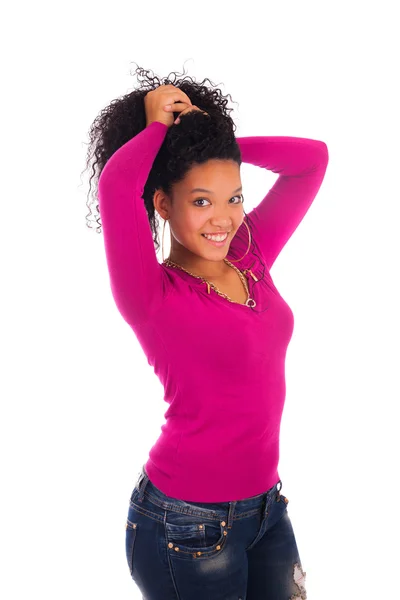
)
(301, 164)
(136, 277)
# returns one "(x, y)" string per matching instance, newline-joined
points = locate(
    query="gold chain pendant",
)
(250, 302)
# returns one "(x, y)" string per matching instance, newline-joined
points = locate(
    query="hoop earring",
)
(248, 247)
(162, 243)
(237, 260)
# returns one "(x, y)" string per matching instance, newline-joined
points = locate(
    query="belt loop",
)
(232, 506)
(278, 490)
(143, 479)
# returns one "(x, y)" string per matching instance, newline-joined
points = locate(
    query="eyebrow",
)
(210, 192)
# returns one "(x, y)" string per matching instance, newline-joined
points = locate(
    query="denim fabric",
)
(239, 550)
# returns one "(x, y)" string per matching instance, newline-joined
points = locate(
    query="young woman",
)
(206, 517)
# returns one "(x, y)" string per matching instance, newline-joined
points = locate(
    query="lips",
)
(216, 233)
(212, 237)
(216, 243)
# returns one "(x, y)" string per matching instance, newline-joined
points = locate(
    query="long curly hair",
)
(195, 140)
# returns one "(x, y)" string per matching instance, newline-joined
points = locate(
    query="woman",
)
(206, 517)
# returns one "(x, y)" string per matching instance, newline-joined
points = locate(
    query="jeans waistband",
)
(207, 509)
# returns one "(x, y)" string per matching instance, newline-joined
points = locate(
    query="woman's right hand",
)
(156, 100)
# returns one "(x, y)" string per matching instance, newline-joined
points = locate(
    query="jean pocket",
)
(130, 538)
(193, 537)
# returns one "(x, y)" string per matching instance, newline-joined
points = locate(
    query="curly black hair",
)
(195, 140)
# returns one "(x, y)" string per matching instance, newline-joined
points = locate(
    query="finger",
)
(176, 107)
(176, 94)
(180, 96)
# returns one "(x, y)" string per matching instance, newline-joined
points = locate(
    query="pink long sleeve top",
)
(220, 439)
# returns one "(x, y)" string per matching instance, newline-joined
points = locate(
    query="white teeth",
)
(216, 238)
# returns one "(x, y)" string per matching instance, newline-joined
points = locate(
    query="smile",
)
(216, 240)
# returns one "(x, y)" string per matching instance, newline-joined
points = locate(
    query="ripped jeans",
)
(239, 550)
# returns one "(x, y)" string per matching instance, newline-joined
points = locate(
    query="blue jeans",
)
(239, 550)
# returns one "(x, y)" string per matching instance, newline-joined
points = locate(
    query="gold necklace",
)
(249, 302)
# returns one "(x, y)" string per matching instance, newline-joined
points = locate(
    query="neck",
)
(203, 268)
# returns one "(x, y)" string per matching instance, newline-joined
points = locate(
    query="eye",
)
(198, 200)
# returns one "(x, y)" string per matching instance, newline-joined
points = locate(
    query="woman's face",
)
(193, 212)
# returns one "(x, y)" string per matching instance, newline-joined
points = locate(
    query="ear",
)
(161, 204)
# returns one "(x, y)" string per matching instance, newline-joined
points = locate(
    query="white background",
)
(80, 406)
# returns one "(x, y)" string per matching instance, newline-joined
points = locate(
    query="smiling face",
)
(207, 201)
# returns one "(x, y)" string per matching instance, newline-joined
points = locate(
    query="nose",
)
(222, 222)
